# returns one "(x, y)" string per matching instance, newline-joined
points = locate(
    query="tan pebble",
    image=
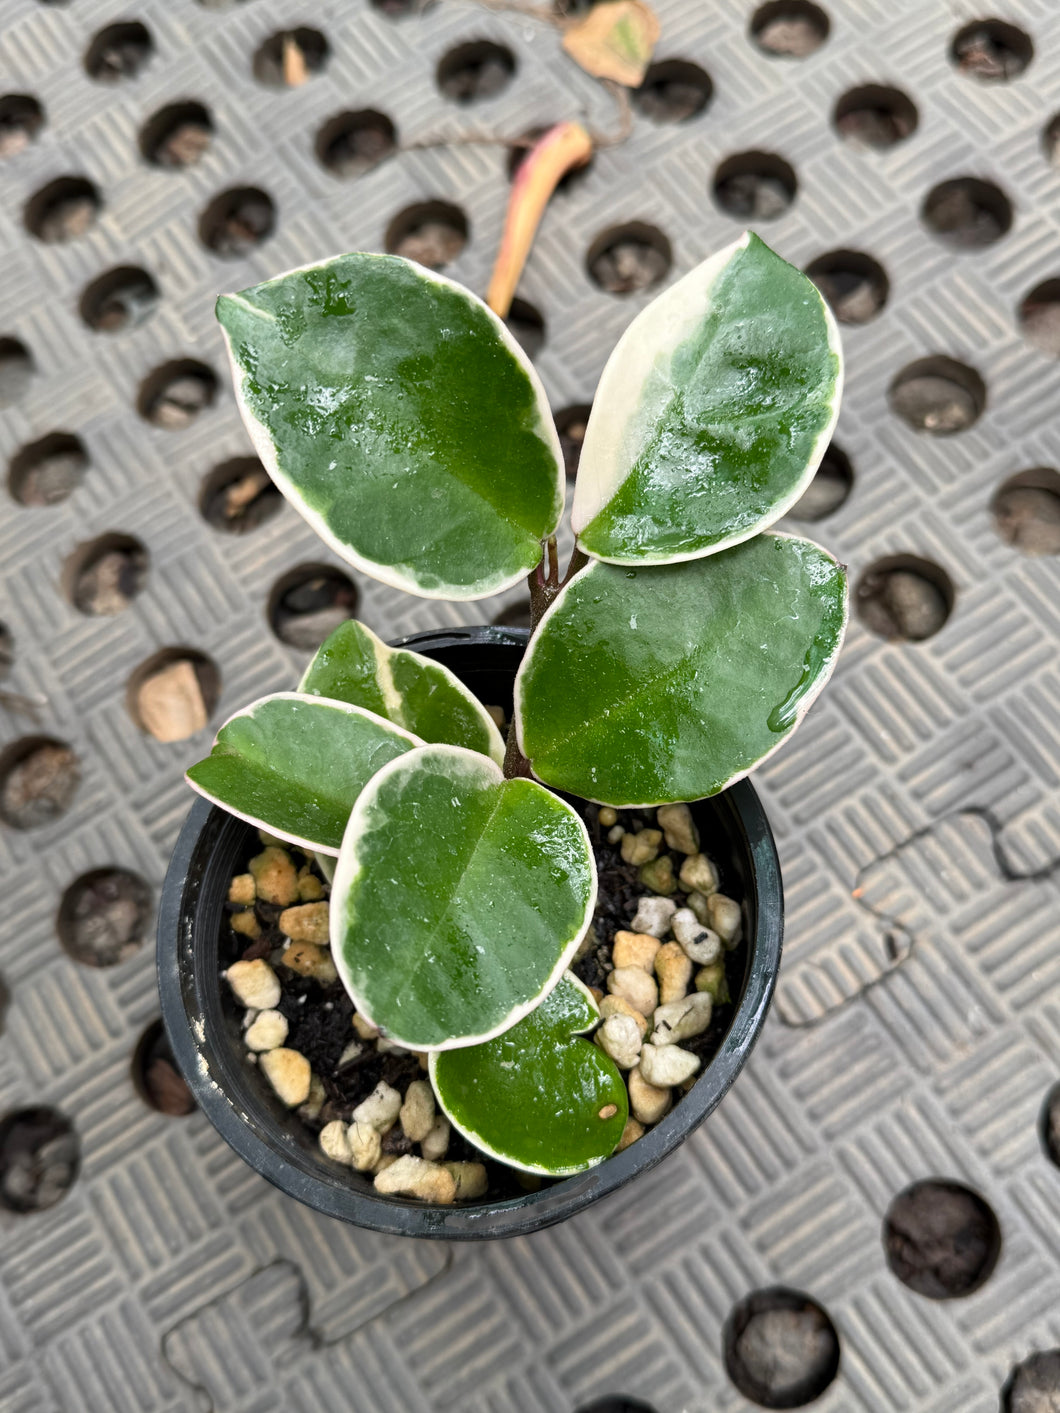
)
(416, 1177)
(310, 887)
(679, 827)
(698, 875)
(268, 1031)
(498, 715)
(254, 984)
(597, 994)
(246, 924)
(275, 876)
(380, 1109)
(417, 1112)
(658, 875)
(648, 1102)
(529, 1182)
(318, 1096)
(471, 1179)
(289, 1074)
(697, 903)
(366, 1146)
(607, 817)
(725, 918)
(306, 923)
(634, 949)
(424, 1059)
(269, 840)
(436, 1144)
(632, 1131)
(642, 847)
(619, 1006)
(673, 967)
(334, 1142)
(307, 959)
(636, 986)
(241, 889)
(170, 703)
(387, 1160)
(364, 1028)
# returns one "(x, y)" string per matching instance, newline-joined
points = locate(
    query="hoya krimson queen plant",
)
(396, 412)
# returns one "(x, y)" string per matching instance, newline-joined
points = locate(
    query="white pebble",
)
(415, 1177)
(615, 834)
(634, 985)
(619, 1037)
(254, 984)
(725, 918)
(366, 1146)
(289, 1074)
(667, 1065)
(380, 1109)
(677, 824)
(335, 1143)
(648, 1102)
(680, 1020)
(699, 942)
(653, 916)
(698, 875)
(436, 1144)
(268, 1031)
(417, 1112)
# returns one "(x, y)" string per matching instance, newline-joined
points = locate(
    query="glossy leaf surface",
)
(400, 417)
(538, 1097)
(458, 899)
(294, 765)
(668, 682)
(411, 690)
(712, 412)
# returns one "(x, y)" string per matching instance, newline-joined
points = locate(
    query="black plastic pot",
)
(203, 1021)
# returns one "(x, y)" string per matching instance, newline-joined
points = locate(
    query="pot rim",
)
(531, 1211)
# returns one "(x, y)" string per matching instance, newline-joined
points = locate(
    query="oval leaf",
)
(459, 898)
(537, 1097)
(400, 417)
(712, 413)
(353, 665)
(668, 683)
(295, 765)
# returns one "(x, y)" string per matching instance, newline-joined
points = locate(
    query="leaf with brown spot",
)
(615, 40)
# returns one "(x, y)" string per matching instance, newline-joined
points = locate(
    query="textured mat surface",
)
(917, 1027)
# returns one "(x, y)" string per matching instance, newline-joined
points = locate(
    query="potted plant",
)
(455, 970)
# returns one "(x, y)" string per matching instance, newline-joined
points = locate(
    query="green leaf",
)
(712, 412)
(399, 416)
(533, 1096)
(295, 765)
(647, 686)
(353, 665)
(459, 898)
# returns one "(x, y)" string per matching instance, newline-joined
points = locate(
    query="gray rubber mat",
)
(916, 1031)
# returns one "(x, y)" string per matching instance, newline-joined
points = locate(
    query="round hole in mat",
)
(937, 395)
(7, 650)
(615, 1403)
(941, 1239)
(904, 598)
(1026, 511)
(755, 186)
(1049, 1125)
(673, 91)
(21, 119)
(119, 51)
(104, 575)
(237, 221)
(104, 917)
(16, 370)
(991, 50)
(309, 602)
(174, 394)
(177, 135)
(831, 485)
(155, 1075)
(238, 496)
(876, 116)
(780, 1347)
(119, 299)
(352, 143)
(1033, 1385)
(789, 29)
(628, 258)
(967, 213)
(854, 284)
(39, 777)
(1039, 317)
(173, 694)
(40, 1156)
(527, 325)
(46, 471)
(571, 423)
(474, 71)
(62, 210)
(430, 232)
(290, 56)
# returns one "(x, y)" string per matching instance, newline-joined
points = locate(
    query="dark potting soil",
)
(319, 1016)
